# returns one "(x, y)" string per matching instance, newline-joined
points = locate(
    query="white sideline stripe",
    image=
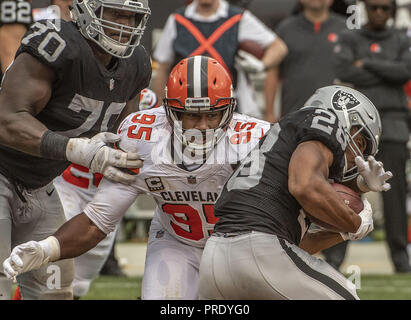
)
(197, 76)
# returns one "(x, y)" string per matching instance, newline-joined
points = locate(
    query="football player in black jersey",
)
(254, 252)
(70, 84)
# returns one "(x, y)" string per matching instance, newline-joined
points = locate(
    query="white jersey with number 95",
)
(185, 199)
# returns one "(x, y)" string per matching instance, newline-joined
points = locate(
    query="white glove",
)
(248, 62)
(372, 176)
(30, 256)
(95, 154)
(367, 224)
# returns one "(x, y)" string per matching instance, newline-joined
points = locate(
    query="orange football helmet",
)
(199, 84)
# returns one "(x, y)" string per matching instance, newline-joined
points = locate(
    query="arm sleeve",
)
(395, 72)
(251, 28)
(164, 48)
(344, 68)
(109, 204)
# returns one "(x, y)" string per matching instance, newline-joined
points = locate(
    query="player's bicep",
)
(27, 86)
(309, 164)
(109, 204)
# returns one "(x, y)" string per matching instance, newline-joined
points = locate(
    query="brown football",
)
(350, 197)
(252, 47)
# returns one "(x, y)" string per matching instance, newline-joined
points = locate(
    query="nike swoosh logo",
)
(50, 193)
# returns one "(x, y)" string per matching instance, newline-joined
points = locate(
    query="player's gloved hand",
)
(248, 62)
(372, 175)
(95, 154)
(30, 256)
(367, 224)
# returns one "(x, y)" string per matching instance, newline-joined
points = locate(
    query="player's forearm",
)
(21, 131)
(275, 53)
(77, 236)
(321, 201)
(307, 182)
(318, 241)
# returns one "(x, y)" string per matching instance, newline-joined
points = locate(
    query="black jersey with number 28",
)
(86, 98)
(256, 197)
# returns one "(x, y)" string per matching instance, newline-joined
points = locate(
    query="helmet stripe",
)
(190, 78)
(204, 76)
(197, 76)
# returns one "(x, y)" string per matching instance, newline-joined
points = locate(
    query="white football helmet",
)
(353, 109)
(88, 15)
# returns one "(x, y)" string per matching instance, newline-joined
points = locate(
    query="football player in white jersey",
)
(76, 187)
(190, 147)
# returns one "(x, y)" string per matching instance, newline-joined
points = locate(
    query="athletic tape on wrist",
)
(53, 146)
(51, 247)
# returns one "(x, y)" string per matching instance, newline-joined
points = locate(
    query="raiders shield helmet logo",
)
(342, 98)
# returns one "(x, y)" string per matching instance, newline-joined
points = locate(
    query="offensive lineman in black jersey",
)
(254, 253)
(69, 80)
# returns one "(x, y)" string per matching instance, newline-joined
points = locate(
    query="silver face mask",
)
(89, 17)
(353, 109)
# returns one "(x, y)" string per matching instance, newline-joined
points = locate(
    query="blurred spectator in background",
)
(215, 28)
(310, 36)
(15, 18)
(64, 6)
(51, 9)
(376, 60)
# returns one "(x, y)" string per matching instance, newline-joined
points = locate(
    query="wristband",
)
(53, 146)
(51, 248)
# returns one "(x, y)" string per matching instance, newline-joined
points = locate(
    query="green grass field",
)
(373, 287)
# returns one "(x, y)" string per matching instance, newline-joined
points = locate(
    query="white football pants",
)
(171, 267)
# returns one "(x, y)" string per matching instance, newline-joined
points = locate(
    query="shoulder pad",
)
(54, 42)
(141, 130)
(243, 134)
(243, 127)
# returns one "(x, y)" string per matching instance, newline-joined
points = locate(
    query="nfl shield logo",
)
(191, 180)
(111, 84)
